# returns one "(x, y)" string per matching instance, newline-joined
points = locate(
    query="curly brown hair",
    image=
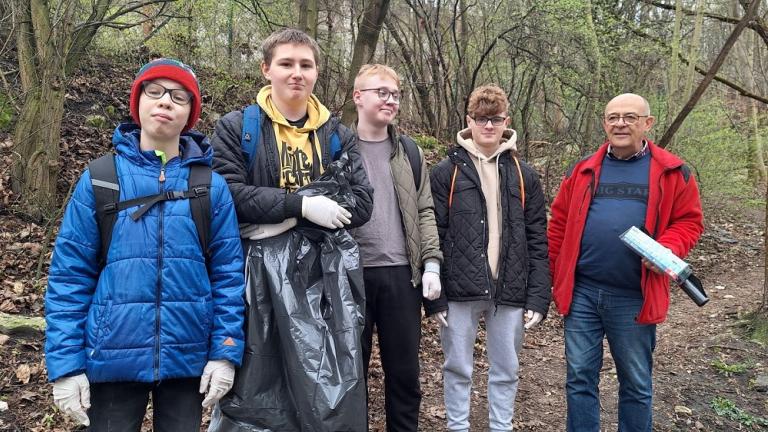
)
(487, 100)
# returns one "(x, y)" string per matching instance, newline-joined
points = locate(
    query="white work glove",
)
(441, 317)
(221, 375)
(262, 231)
(430, 285)
(73, 397)
(324, 212)
(532, 319)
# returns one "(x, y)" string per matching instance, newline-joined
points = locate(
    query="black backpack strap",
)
(106, 193)
(200, 204)
(414, 157)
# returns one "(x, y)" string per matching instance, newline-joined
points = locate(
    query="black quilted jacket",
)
(523, 279)
(257, 196)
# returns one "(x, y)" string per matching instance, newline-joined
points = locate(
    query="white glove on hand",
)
(430, 285)
(441, 317)
(262, 231)
(533, 319)
(73, 397)
(325, 212)
(221, 375)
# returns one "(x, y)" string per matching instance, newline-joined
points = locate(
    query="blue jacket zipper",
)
(159, 290)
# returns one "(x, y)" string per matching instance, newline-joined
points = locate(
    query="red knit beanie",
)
(173, 70)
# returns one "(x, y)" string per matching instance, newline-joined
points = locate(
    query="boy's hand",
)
(430, 285)
(72, 395)
(441, 317)
(221, 375)
(325, 212)
(533, 318)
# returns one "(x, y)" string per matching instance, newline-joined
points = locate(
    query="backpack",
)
(249, 142)
(106, 192)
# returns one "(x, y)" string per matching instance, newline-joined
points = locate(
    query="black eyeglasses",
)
(156, 91)
(483, 121)
(629, 119)
(384, 94)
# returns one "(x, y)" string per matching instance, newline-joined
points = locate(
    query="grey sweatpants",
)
(504, 340)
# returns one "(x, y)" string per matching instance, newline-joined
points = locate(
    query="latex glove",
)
(262, 231)
(73, 397)
(324, 212)
(441, 317)
(430, 285)
(221, 375)
(533, 318)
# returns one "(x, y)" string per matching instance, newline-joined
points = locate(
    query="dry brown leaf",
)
(23, 373)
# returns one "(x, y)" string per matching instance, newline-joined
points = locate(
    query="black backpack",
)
(412, 151)
(106, 191)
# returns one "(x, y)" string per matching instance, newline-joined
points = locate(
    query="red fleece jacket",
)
(674, 218)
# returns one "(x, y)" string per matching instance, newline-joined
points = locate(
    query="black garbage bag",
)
(303, 366)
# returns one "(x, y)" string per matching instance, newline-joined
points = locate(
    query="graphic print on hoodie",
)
(488, 170)
(298, 147)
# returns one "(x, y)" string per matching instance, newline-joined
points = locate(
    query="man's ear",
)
(649, 122)
(468, 119)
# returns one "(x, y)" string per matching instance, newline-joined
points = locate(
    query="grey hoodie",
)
(488, 170)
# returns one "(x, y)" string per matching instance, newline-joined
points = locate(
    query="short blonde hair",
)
(376, 69)
(487, 100)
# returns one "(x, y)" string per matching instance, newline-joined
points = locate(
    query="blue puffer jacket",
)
(155, 311)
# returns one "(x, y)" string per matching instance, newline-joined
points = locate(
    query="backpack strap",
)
(335, 145)
(200, 204)
(522, 181)
(414, 157)
(106, 193)
(249, 140)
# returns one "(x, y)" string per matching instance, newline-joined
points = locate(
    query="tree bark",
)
(748, 16)
(47, 53)
(365, 47)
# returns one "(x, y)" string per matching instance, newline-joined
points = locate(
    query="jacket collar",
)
(660, 156)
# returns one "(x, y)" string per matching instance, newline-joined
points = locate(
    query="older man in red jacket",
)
(603, 288)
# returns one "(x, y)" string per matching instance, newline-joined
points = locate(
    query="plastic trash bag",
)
(303, 365)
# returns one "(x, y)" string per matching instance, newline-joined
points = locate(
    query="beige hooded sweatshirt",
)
(488, 170)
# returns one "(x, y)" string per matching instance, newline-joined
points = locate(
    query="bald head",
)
(627, 120)
(630, 99)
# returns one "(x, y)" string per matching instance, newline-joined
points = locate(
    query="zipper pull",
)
(162, 174)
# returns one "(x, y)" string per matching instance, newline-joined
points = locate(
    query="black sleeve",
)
(361, 187)
(439, 180)
(539, 284)
(253, 203)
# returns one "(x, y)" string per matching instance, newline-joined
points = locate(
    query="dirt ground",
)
(702, 359)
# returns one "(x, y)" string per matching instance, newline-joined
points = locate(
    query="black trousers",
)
(120, 406)
(393, 306)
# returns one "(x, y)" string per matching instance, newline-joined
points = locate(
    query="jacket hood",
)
(508, 142)
(194, 147)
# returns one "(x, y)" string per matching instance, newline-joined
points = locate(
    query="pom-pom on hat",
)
(173, 70)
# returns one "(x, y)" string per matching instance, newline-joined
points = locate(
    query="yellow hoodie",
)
(488, 170)
(296, 152)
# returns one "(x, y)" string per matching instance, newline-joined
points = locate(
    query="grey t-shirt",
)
(381, 240)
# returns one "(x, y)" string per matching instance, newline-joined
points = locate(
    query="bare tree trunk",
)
(413, 71)
(365, 47)
(750, 13)
(47, 52)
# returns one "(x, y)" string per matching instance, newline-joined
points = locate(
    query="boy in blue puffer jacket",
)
(158, 315)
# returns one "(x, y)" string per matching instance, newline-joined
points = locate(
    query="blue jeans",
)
(594, 314)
